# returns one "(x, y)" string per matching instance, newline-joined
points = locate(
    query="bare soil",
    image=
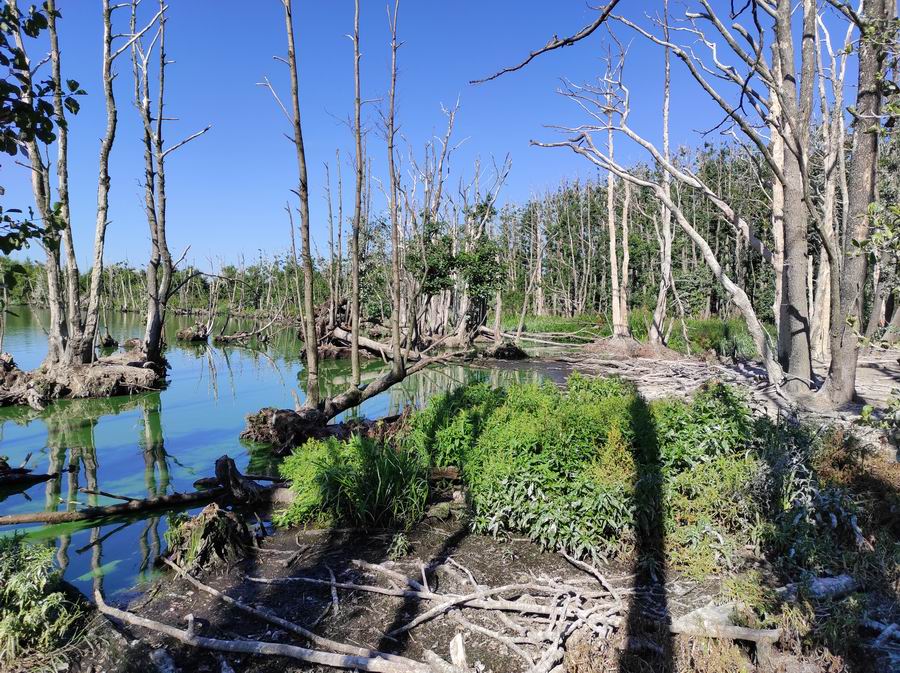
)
(362, 618)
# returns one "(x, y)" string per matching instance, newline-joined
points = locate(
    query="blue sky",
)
(227, 190)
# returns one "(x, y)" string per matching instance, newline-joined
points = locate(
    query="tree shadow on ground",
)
(648, 642)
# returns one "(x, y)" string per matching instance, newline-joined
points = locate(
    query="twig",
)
(499, 637)
(374, 664)
(267, 616)
(588, 568)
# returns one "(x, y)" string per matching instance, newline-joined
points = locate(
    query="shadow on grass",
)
(648, 640)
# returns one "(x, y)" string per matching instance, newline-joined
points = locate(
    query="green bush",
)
(726, 338)
(585, 469)
(716, 423)
(360, 481)
(596, 471)
(36, 617)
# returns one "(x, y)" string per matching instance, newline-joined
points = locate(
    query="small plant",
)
(400, 546)
(36, 617)
(887, 419)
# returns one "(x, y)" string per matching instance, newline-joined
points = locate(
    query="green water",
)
(161, 442)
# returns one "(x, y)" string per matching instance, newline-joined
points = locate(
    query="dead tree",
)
(397, 363)
(71, 332)
(161, 266)
(302, 192)
(664, 236)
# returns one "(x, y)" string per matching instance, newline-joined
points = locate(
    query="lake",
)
(161, 442)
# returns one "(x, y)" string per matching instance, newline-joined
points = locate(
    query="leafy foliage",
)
(26, 112)
(35, 616)
(360, 481)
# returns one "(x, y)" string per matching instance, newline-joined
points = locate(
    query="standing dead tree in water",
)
(161, 267)
(309, 317)
(73, 329)
(71, 334)
(284, 427)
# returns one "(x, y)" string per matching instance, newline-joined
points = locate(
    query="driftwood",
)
(232, 485)
(375, 347)
(520, 337)
(188, 637)
(244, 336)
(267, 616)
(174, 501)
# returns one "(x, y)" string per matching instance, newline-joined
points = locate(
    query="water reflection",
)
(158, 443)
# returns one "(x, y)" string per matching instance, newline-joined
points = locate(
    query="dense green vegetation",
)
(594, 469)
(358, 481)
(703, 487)
(36, 616)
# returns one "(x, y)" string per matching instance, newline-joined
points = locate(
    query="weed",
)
(399, 547)
(36, 617)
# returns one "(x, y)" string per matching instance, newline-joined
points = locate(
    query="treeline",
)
(548, 257)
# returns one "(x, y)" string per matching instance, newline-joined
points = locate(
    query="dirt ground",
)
(442, 551)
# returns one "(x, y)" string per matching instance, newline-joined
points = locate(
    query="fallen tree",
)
(286, 428)
(232, 487)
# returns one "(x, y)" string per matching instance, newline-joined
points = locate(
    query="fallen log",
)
(380, 349)
(232, 485)
(23, 477)
(520, 337)
(244, 336)
(173, 501)
(348, 661)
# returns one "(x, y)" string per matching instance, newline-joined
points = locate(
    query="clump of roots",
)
(215, 537)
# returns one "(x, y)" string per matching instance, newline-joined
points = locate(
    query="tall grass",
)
(359, 481)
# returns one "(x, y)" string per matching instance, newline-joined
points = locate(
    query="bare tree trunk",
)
(73, 294)
(357, 206)
(840, 386)
(794, 328)
(777, 151)
(665, 252)
(398, 364)
(624, 288)
(83, 350)
(311, 343)
(620, 325)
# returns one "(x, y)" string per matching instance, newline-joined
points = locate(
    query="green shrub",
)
(36, 617)
(726, 338)
(360, 481)
(715, 423)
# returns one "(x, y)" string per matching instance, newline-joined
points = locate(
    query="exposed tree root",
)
(118, 374)
(215, 536)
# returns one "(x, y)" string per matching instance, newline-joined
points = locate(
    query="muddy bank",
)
(123, 373)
